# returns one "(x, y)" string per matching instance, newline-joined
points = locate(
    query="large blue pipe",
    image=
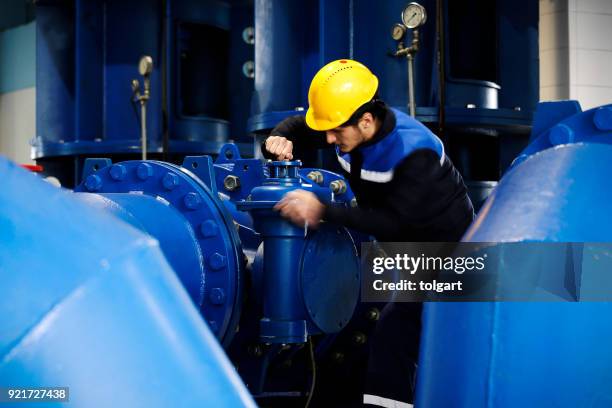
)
(529, 354)
(90, 303)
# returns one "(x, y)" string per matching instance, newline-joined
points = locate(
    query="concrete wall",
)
(576, 51)
(590, 51)
(554, 50)
(17, 91)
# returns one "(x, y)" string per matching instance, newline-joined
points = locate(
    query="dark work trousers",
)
(394, 352)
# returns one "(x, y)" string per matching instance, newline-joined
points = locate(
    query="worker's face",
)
(349, 137)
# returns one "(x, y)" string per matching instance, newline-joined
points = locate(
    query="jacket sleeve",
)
(426, 197)
(304, 139)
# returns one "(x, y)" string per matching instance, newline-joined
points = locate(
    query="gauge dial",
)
(414, 15)
(145, 66)
(398, 31)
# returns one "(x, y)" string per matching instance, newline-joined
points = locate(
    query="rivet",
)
(144, 171)
(170, 181)
(93, 182)
(118, 172)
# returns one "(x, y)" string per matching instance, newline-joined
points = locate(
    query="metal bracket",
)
(92, 165)
(202, 166)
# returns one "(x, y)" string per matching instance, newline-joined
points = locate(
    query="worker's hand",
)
(301, 208)
(280, 146)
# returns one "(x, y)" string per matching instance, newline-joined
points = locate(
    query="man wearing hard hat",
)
(407, 190)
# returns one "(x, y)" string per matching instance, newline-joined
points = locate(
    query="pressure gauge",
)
(145, 66)
(398, 31)
(414, 15)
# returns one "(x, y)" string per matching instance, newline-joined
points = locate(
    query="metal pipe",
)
(143, 127)
(411, 100)
(410, 53)
(103, 308)
(441, 69)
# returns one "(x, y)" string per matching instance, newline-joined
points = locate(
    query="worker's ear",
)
(366, 121)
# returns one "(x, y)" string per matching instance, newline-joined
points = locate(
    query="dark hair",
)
(376, 107)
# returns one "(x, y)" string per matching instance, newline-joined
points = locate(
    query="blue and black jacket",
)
(406, 187)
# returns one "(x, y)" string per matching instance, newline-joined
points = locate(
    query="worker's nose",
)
(331, 138)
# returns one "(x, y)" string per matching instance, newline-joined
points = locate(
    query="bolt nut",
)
(192, 201)
(338, 186)
(561, 134)
(248, 35)
(248, 69)
(338, 357)
(373, 314)
(216, 261)
(217, 296)
(354, 202)
(231, 183)
(209, 229)
(144, 171)
(118, 172)
(602, 119)
(315, 177)
(93, 183)
(170, 181)
(359, 338)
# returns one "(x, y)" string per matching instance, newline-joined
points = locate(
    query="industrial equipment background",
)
(132, 281)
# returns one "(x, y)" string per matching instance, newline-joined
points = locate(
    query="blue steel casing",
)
(87, 55)
(556, 194)
(563, 122)
(104, 313)
(192, 224)
(300, 296)
(178, 208)
(313, 33)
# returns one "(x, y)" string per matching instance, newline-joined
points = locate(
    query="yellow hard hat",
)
(337, 91)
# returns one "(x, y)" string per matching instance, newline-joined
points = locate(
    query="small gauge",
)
(414, 15)
(145, 66)
(398, 31)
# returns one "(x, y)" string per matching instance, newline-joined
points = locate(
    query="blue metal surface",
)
(191, 223)
(99, 310)
(297, 297)
(563, 122)
(557, 194)
(87, 55)
(312, 33)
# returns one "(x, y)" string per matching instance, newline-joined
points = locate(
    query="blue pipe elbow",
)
(90, 303)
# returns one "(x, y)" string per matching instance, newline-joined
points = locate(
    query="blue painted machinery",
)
(87, 57)
(264, 286)
(280, 298)
(212, 82)
(478, 96)
(99, 310)
(535, 354)
(234, 253)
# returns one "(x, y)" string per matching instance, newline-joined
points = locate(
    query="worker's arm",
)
(290, 138)
(427, 196)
